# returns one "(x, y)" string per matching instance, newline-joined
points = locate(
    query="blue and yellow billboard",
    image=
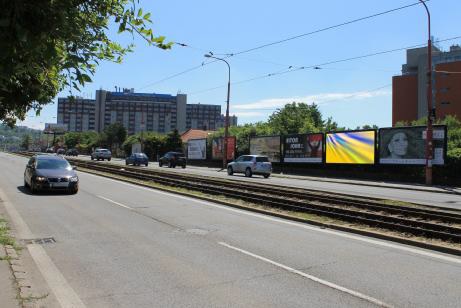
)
(351, 147)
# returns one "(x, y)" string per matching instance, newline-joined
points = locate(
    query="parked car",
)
(172, 159)
(137, 159)
(50, 172)
(50, 150)
(249, 165)
(61, 151)
(72, 152)
(101, 154)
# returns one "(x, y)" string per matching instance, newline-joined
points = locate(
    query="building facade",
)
(137, 112)
(409, 90)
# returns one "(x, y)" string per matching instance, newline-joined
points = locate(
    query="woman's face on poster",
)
(398, 145)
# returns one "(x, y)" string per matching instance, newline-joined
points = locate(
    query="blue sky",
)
(353, 93)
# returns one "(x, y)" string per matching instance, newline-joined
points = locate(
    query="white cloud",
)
(247, 114)
(322, 98)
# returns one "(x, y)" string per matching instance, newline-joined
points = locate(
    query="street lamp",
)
(226, 121)
(429, 131)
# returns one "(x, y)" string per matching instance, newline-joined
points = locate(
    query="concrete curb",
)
(443, 249)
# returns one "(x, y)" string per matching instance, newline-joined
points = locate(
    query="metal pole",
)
(226, 120)
(429, 132)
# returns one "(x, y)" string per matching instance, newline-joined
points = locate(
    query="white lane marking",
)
(61, 289)
(296, 224)
(115, 202)
(310, 277)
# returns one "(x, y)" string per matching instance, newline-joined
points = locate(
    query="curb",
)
(442, 249)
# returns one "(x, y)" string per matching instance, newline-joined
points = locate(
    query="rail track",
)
(417, 220)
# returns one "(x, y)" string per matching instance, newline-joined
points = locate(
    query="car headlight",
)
(40, 178)
(73, 179)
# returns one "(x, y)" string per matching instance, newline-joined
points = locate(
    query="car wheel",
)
(33, 189)
(160, 164)
(73, 191)
(267, 175)
(170, 165)
(126, 163)
(230, 171)
(92, 158)
(184, 166)
(25, 184)
(108, 159)
(248, 173)
(147, 164)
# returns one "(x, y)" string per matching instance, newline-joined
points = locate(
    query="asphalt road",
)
(403, 193)
(119, 245)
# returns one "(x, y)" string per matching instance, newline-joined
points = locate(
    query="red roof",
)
(195, 134)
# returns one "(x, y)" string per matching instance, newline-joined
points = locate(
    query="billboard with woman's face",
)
(350, 147)
(267, 145)
(407, 145)
(304, 148)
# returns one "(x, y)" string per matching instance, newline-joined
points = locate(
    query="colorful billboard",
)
(196, 149)
(217, 148)
(351, 147)
(407, 145)
(53, 128)
(267, 145)
(305, 148)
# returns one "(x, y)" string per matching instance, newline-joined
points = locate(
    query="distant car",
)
(137, 159)
(249, 165)
(50, 172)
(49, 150)
(61, 151)
(101, 154)
(172, 159)
(72, 152)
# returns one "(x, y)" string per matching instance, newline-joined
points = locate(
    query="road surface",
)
(119, 245)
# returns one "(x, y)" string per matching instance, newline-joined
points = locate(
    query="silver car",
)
(101, 154)
(249, 165)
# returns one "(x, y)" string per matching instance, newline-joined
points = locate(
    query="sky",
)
(353, 93)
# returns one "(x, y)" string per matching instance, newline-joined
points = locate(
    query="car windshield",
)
(53, 164)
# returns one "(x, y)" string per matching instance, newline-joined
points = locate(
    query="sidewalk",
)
(7, 290)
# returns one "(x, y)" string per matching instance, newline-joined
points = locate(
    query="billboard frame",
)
(434, 127)
(282, 150)
(352, 131)
(206, 147)
(222, 137)
(268, 136)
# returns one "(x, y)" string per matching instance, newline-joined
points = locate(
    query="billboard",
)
(305, 148)
(407, 145)
(53, 128)
(217, 147)
(196, 149)
(350, 147)
(267, 145)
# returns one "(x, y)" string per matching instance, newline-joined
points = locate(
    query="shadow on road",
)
(26, 191)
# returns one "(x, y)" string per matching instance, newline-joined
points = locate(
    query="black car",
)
(137, 159)
(50, 172)
(72, 152)
(61, 151)
(173, 159)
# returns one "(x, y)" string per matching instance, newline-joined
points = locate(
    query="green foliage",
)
(296, 118)
(114, 134)
(50, 45)
(71, 139)
(173, 141)
(25, 142)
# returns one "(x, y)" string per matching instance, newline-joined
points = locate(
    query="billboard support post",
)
(429, 147)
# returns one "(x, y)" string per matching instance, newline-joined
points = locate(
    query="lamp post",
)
(226, 121)
(429, 131)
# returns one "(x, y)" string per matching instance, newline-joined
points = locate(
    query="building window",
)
(445, 103)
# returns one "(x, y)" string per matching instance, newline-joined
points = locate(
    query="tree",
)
(50, 45)
(173, 141)
(296, 118)
(115, 134)
(71, 139)
(25, 142)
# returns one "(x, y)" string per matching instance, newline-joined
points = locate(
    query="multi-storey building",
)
(137, 112)
(409, 91)
(222, 121)
(78, 114)
(204, 117)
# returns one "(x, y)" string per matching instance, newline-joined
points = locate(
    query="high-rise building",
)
(409, 90)
(137, 112)
(222, 121)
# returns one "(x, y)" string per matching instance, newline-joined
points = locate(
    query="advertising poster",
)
(217, 147)
(268, 146)
(304, 148)
(196, 149)
(407, 145)
(352, 147)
